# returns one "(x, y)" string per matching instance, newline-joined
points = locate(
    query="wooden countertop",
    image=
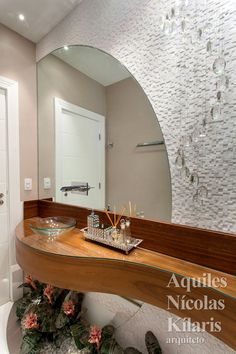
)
(72, 244)
(71, 262)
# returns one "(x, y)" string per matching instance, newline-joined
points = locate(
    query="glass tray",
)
(118, 246)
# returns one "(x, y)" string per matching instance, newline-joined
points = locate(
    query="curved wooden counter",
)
(73, 263)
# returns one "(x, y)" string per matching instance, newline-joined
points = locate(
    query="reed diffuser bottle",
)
(123, 238)
(128, 231)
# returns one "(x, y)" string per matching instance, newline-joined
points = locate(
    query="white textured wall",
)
(129, 30)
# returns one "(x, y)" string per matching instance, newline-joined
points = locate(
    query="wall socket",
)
(47, 183)
(28, 184)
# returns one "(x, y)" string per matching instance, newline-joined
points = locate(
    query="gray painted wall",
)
(18, 63)
(138, 174)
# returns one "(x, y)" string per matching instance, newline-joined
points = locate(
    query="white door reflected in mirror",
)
(79, 154)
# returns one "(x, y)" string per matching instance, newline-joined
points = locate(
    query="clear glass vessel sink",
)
(53, 226)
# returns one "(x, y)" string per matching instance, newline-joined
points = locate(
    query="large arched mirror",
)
(97, 129)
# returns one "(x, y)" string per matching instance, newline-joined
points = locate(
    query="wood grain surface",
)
(212, 249)
(73, 263)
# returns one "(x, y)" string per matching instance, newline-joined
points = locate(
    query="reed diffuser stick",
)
(134, 210)
(114, 215)
(119, 218)
(130, 209)
(107, 214)
(116, 219)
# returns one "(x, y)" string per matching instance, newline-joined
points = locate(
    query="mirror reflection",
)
(100, 144)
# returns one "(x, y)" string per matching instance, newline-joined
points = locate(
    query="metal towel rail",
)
(151, 143)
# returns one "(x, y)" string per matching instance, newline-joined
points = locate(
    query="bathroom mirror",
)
(97, 129)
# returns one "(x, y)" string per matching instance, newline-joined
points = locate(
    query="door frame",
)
(59, 105)
(15, 206)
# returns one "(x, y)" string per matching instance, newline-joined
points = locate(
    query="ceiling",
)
(94, 63)
(40, 15)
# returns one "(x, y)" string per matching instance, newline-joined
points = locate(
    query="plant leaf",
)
(152, 344)
(61, 335)
(107, 332)
(61, 320)
(80, 333)
(31, 343)
(22, 305)
(111, 346)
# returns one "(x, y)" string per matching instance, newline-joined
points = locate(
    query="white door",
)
(80, 154)
(4, 239)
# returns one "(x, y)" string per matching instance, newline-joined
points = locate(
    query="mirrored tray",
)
(134, 242)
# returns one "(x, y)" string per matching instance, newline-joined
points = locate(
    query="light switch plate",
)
(47, 183)
(28, 184)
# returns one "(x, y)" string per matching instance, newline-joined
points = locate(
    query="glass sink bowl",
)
(53, 226)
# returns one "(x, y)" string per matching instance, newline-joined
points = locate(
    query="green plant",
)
(51, 314)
